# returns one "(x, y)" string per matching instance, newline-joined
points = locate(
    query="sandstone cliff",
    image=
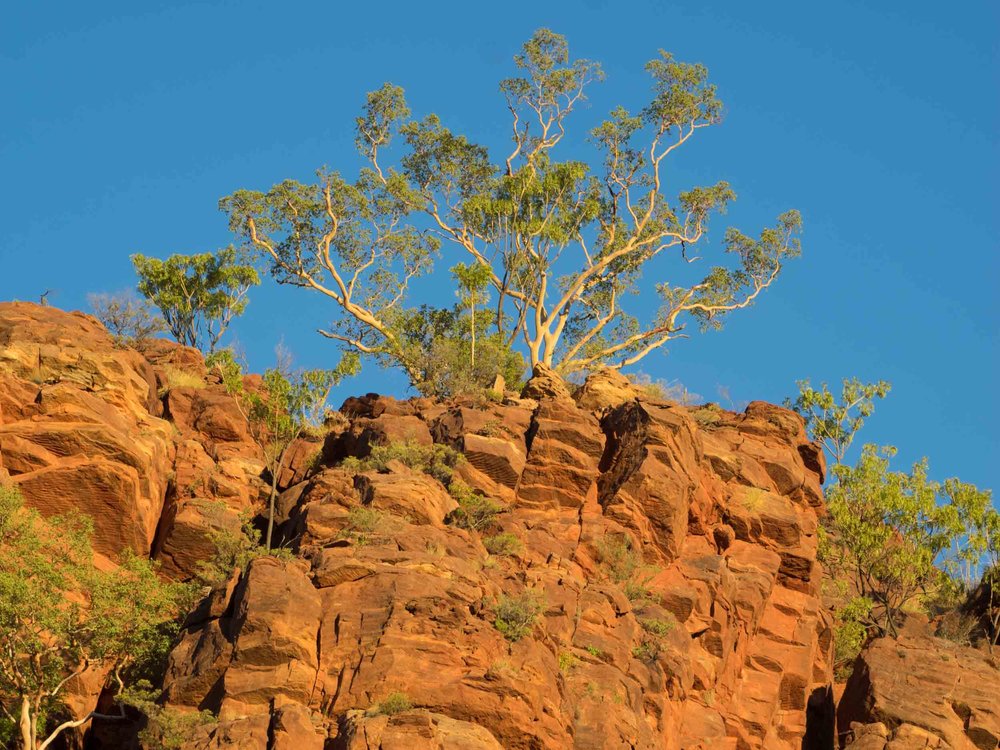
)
(670, 552)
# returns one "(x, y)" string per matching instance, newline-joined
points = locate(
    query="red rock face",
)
(670, 552)
(921, 692)
(714, 639)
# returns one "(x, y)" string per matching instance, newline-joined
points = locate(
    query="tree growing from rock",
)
(900, 535)
(198, 295)
(564, 243)
(60, 615)
(835, 423)
(288, 403)
(129, 320)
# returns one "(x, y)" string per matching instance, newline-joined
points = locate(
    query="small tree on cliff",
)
(834, 423)
(288, 403)
(198, 295)
(129, 320)
(59, 615)
(900, 535)
(564, 244)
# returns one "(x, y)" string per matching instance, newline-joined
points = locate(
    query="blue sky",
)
(124, 123)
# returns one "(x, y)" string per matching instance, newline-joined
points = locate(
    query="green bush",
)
(392, 704)
(232, 547)
(618, 557)
(364, 524)
(439, 461)
(850, 632)
(503, 544)
(660, 628)
(514, 616)
(475, 512)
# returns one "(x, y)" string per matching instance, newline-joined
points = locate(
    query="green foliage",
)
(62, 614)
(290, 403)
(504, 544)
(198, 295)
(438, 348)
(515, 616)
(392, 704)
(619, 558)
(653, 643)
(130, 321)
(555, 249)
(657, 627)
(234, 548)
(850, 633)
(648, 650)
(364, 524)
(475, 512)
(437, 460)
(898, 534)
(835, 422)
(567, 660)
(167, 728)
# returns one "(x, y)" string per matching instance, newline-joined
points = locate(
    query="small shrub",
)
(129, 320)
(233, 547)
(493, 428)
(504, 544)
(850, 632)
(166, 728)
(659, 628)
(364, 524)
(392, 704)
(475, 512)
(439, 461)
(637, 590)
(619, 558)
(647, 651)
(707, 416)
(662, 390)
(753, 498)
(514, 616)
(567, 660)
(177, 378)
(595, 652)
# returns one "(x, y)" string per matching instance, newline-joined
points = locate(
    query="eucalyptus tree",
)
(198, 295)
(563, 243)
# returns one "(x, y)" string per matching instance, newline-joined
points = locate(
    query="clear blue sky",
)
(124, 123)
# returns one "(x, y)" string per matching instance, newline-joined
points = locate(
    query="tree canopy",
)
(60, 615)
(198, 295)
(562, 244)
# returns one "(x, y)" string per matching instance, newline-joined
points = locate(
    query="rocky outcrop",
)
(79, 425)
(921, 692)
(662, 557)
(670, 552)
(143, 443)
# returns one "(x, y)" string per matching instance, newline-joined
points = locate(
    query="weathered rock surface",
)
(921, 692)
(671, 551)
(715, 637)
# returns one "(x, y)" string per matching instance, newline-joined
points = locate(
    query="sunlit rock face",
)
(669, 552)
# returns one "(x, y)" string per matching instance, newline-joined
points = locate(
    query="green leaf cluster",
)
(60, 614)
(556, 247)
(198, 295)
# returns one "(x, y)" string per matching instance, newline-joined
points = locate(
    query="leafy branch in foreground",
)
(561, 245)
(60, 616)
